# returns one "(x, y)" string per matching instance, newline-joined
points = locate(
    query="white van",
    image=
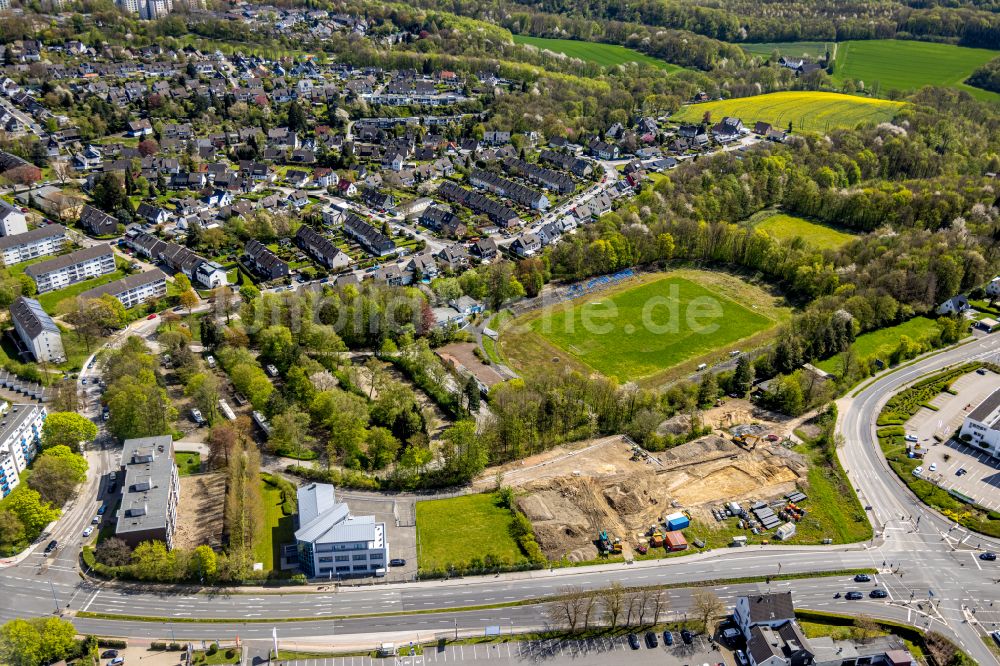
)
(702, 366)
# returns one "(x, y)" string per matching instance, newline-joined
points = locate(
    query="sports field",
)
(819, 236)
(606, 55)
(811, 111)
(643, 329)
(882, 342)
(907, 65)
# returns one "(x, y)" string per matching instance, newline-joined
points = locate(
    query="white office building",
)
(38, 333)
(20, 438)
(39, 242)
(333, 543)
(982, 426)
(71, 268)
(12, 220)
(133, 289)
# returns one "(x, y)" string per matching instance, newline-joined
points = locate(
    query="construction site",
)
(608, 496)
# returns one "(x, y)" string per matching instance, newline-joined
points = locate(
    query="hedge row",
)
(289, 495)
(908, 402)
(343, 479)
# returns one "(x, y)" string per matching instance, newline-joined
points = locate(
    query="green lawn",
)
(805, 110)
(52, 300)
(188, 462)
(818, 235)
(278, 528)
(908, 65)
(882, 342)
(606, 55)
(811, 50)
(458, 529)
(643, 330)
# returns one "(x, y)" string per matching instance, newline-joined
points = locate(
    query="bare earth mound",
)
(200, 511)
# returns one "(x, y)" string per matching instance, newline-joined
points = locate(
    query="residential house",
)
(263, 261)
(505, 187)
(71, 268)
(321, 248)
(499, 213)
(139, 128)
(132, 290)
(152, 214)
(770, 610)
(526, 245)
(553, 180)
(372, 240)
(603, 150)
(953, 306)
(485, 248)
(12, 220)
(96, 222)
(20, 441)
(38, 242)
(37, 331)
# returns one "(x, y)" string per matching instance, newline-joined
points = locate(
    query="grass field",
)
(606, 55)
(644, 327)
(188, 462)
(52, 301)
(907, 65)
(278, 528)
(819, 236)
(812, 111)
(810, 50)
(881, 342)
(458, 529)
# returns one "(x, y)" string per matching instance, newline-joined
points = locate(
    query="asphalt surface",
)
(929, 568)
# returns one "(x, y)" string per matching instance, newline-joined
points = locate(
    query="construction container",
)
(677, 521)
(739, 540)
(656, 540)
(785, 532)
(675, 541)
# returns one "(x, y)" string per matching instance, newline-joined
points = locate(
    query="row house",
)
(205, 273)
(443, 221)
(500, 214)
(517, 192)
(553, 180)
(264, 262)
(96, 222)
(321, 248)
(370, 238)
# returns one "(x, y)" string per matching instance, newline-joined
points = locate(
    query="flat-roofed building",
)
(333, 543)
(150, 491)
(133, 289)
(981, 428)
(20, 438)
(71, 268)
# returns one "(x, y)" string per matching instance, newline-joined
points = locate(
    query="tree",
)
(660, 603)
(41, 640)
(708, 390)
(296, 117)
(222, 440)
(382, 448)
(501, 285)
(26, 503)
(148, 147)
(277, 346)
(188, 299)
(706, 607)
(865, 628)
(223, 297)
(11, 528)
(613, 597)
(108, 193)
(290, 433)
(464, 453)
(744, 376)
(204, 563)
(472, 397)
(113, 552)
(56, 474)
(67, 429)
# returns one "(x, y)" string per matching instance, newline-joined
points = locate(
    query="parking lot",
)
(981, 478)
(590, 652)
(402, 537)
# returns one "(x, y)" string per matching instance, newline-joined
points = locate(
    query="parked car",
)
(730, 633)
(109, 654)
(96, 519)
(397, 562)
(988, 556)
(651, 641)
(668, 638)
(90, 530)
(52, 546)
(152, 316)
(197, 417)
(878, 593)
(633, 641)
(933, 467)
(862, 578)
(981, 371)
(854, 595)
(117, 661)
(100, 511)
(961, 471)
(918, 470)
(910, 438)
(741, 658)
(687, 636)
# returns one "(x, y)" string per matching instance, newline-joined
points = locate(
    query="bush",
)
(113, 643)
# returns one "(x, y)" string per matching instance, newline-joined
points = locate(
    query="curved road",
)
(933, 578)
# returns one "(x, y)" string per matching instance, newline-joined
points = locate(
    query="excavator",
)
(609, 544)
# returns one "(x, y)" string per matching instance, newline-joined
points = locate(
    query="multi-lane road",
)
(930, 569)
